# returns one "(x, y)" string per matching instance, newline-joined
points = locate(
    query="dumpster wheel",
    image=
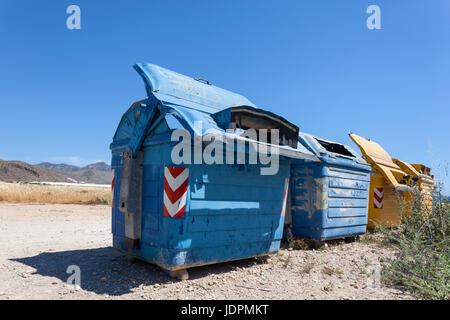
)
(316, 244)
(179, 274)
(352, 239)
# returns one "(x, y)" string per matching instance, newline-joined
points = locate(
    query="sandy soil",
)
(39, 242)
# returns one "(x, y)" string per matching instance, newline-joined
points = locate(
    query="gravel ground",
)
(39, 242)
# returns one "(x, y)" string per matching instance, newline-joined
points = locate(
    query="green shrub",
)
(422, 266)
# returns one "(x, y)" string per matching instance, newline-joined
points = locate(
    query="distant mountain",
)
(58, 167)
(18, 171)
(99, 173)
(100, 166)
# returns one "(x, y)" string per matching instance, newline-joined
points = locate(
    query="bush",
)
(422, 266)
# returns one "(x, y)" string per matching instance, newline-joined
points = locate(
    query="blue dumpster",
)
(330, 199)
(179, 215)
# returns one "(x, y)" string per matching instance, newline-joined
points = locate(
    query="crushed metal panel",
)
(246, 117)
(322, 146)
(190, 118)
(169, 83)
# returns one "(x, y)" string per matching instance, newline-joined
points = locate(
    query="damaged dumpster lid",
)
(380, 160)
(246, 117)
(418, 171)
(323, 147)
(201, 124)
(170, 86)
(192, 102)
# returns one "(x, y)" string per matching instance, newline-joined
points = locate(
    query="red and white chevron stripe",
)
(112, 188)
(285, 193)
(378, 198)
(175, 191)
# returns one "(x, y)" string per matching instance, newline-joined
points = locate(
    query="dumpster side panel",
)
(329, 201)
(348, 191)
(118, 220)
(386, 210)
(306, 221)
(232, 212)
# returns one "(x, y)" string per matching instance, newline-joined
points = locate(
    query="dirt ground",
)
(40, 241)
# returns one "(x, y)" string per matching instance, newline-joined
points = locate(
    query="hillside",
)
(99, 172)
(18, 171)
(58, 167)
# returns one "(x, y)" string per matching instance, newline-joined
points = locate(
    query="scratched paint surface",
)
(232, 212)
(331, 200)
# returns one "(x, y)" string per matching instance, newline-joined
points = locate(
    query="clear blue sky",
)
(62, 92)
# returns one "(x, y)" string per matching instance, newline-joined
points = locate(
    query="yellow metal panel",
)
(405, 166)
(424, 182)
(384, 205)
(389, 214)
(380, 160)
(372, 150)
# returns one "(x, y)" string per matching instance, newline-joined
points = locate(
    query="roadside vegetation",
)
(36, 193)
(422, 265)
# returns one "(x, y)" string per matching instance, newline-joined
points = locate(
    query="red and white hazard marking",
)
(378, 198)
(285, 193)
(112, 188)
(175, 191)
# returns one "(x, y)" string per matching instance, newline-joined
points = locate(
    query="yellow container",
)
(422, 179)
(387, 182)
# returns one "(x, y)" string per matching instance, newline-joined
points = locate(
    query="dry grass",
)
(35, 193)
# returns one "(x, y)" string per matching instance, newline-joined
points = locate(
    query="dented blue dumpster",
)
(328, 200)
(190, 187)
